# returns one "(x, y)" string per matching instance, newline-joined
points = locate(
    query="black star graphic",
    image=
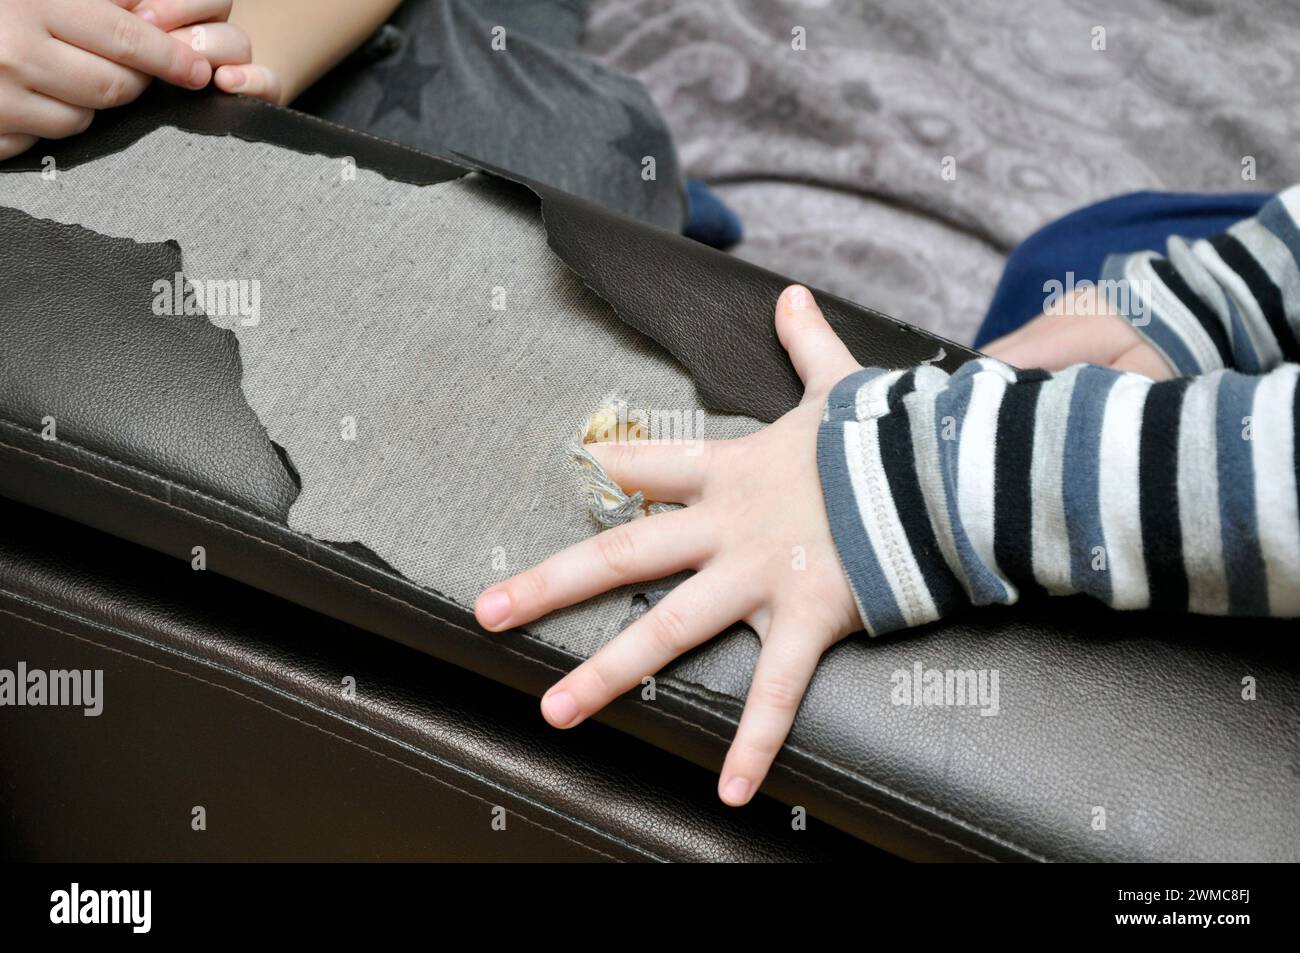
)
(401, 80)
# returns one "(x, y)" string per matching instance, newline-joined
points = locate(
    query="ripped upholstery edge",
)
(710, 310)
(239, 117)
(682, 320)
(630, 506)
(210, 112)
(252, 120)
(104, 365)
(217, 114)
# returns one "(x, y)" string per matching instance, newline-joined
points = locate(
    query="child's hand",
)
(1080, 330)
(60, 60)
(251, 79)
(202, 24)
(754, 528)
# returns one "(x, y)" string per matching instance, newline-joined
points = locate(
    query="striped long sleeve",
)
(1228, 301)
(945, 491)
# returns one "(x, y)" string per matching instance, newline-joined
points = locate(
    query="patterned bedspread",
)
(834, 155)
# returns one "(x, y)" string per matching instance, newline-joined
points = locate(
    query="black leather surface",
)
(1138, 714)
(83, 347)
(224, 697)
(211, 113)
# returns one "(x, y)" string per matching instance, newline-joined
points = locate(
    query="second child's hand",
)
(1080, 330)
(61, 60)
(226, 46)
(754, 530)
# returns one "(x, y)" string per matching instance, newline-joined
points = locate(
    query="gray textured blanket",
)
(834, 154)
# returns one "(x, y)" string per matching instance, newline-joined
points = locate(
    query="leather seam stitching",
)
(407, 605)
(319, 710)
(935, 812)
(335, 127)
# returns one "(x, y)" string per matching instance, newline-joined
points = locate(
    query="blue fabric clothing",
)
(1081, 241)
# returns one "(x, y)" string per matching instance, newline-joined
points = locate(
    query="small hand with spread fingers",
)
(754, 530)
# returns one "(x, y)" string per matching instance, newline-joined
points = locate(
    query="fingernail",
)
(237, 77)
(199, 74)
(800, 299)
(560, 709)
(736, 791)
(148, 16)
(493, 607)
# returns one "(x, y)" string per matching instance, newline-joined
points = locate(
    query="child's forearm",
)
(301, 40)
(946, 491)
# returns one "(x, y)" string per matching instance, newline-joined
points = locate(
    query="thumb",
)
(13, 143)
(260, 82)
(818, 355)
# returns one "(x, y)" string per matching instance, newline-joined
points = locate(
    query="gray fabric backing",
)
(376, 304)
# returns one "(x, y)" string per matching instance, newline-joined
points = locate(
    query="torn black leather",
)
(713, 311)
(212, 113)
(1137, 713)
(84, 351)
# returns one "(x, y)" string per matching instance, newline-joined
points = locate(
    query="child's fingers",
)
(816, 351)
(219, 43)
(250, 79)
(79, 78)
(649, 548)
(995, 347)
(692, 613)
(662, 472)
(46, 117)
(1055, 342)
(1144, 359)
(1032, 339)
(1032, 342)
(125, 38)
(170, 14)
(785, 668)
(13, 144)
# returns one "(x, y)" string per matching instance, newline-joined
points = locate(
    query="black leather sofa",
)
(1119, 736)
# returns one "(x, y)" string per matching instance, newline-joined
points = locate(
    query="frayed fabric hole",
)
(609, 505)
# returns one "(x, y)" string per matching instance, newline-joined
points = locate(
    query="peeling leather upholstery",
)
(1138, 713)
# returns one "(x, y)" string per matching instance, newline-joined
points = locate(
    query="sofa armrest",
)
(1113, 736)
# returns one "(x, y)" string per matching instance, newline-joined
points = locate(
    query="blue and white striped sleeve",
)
(1232, 300)
(947, 491)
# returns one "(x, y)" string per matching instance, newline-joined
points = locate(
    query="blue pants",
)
(1082, 240)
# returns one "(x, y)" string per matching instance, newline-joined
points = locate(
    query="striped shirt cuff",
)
(876, 462)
